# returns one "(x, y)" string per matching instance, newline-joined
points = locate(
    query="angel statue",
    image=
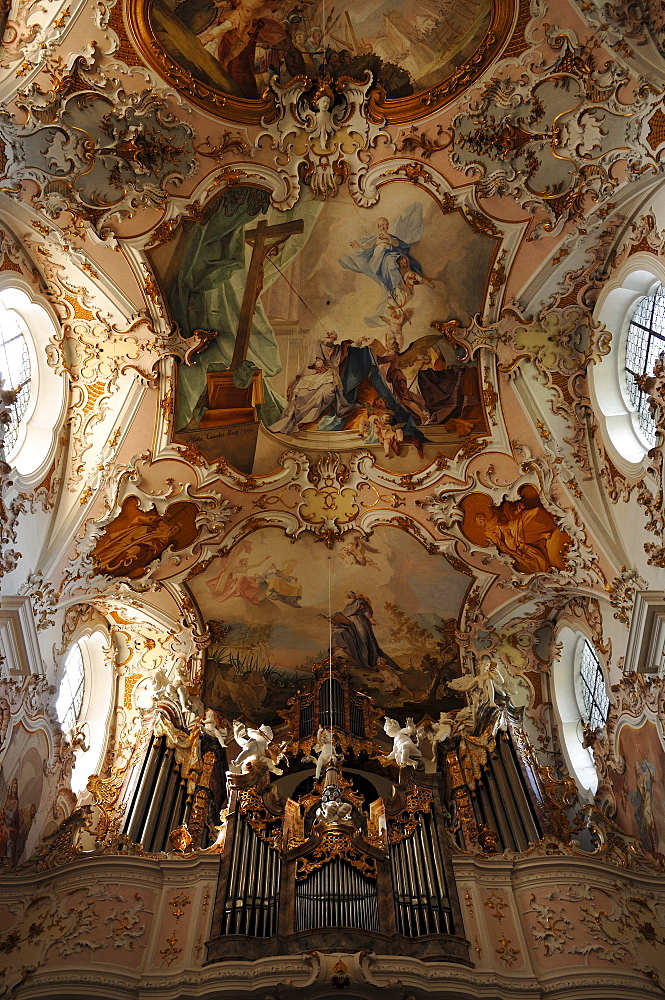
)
(209, 725)
(176, 690)
(325, 749)
(180, 692)
(254, 743)
(405, 753)
(481, 686)
(438, 731)
(333, 808)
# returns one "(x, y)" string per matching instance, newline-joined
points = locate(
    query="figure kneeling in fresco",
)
(328, 390)
(317, 390)
(353, 634)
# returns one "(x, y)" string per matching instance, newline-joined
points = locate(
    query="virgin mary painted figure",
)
(378, 255)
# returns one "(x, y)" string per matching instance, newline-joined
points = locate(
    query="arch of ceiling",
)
(515, 202)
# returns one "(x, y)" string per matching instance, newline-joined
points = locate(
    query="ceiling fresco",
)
(322, 283)
(341, 349)
(378, 604)
(415, 56)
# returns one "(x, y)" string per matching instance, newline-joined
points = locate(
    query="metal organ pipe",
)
(162, 829)
(157, 799)
(517, 784)
(142, 797)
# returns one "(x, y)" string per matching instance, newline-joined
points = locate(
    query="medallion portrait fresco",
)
(320, 326)
(226, 54)
(275, 610)
(522, 530)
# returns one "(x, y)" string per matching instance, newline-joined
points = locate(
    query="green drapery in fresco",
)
(208, 292)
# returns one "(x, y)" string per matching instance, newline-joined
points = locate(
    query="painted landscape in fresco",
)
(238, 45)
(341, 353)
(640, 790)
(267, 607)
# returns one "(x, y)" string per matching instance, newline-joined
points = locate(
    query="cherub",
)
(333, 808)
(354, 552)
(439, 730)
(325, 748)
(408, 281)
(405, 753)
(209, 725)
(395, 321)
(379, 423)
(254, 743)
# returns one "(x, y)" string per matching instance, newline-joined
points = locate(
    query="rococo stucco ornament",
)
(326, 134)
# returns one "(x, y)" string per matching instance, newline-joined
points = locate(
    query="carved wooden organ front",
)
(366, 848)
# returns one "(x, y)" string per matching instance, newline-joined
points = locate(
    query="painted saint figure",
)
(642, 802)
(353, 634)
(317, 389)
(386, 256)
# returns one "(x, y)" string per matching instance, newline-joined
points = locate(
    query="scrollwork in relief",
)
(326, 135)
(130, 151)
(615, 924)
(183, 524)
(446, 509)
(652, 494)
(337, 844)
(522, 140)
(70, 923)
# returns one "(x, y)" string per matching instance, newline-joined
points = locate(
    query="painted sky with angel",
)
(272, 603)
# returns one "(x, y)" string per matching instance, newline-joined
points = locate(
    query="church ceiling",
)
(328, 329)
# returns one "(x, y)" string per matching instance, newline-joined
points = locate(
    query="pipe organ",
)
(359, 843)
(174, 786)
(500, 796)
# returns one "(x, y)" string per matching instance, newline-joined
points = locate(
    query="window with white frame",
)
(592, 687)
(632, 307)
(580, 700)
(14, 370)
(72, 686)
(644, 344)
(28, 326)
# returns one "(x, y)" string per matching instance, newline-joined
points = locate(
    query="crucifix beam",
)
(264, 240)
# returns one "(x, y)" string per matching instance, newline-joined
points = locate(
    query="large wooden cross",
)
(264, 241)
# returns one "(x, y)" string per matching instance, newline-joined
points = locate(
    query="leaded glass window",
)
(70, 698)
(646, 341)
(15, 370)
(594, 692)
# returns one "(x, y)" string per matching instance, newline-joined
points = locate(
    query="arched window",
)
(28, 326)
(645, 342)
(632, 307)
(14, 370)
(580, 700)
(592, 687)
(72, 686)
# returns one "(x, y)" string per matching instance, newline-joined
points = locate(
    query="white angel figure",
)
(179, 691)
(439, 730)
(333, 808)
(209, 725)
(405, 753)
(481, 686)
(160, 683)
(254, 743)
(325, 749)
